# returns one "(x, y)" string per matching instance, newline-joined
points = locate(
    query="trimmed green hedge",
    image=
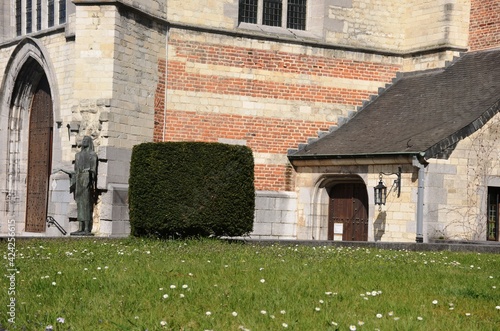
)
(186, 189)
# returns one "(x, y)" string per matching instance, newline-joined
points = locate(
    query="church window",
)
(62, 11)
(51, 13)
(18, 18)
(290, 14)
(29, 6)
(38, 15)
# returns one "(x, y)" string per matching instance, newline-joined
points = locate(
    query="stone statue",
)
(83, 185)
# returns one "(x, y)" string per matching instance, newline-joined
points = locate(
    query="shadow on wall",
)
(379, 226)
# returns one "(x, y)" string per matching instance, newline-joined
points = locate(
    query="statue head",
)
(87, 143)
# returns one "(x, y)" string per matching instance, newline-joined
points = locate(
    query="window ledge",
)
(276, 30)
(36, 34)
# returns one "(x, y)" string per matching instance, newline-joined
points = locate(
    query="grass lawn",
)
(134, 284)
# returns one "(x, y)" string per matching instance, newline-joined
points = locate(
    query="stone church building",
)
(334, 97)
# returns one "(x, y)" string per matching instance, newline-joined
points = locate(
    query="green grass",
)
(121, 284)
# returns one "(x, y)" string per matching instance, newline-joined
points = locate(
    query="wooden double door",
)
(348, 212)
(39, 158)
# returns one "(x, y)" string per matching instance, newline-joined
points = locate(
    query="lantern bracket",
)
(380, 193)
(397, 182)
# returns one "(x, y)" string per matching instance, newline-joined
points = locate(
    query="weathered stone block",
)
(282, 229)
(261, 229)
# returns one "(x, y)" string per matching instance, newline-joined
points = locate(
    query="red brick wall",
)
(275, 62)
(484, 28)
(262, 134)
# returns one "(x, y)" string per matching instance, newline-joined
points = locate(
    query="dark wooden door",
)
(39, 158)
(348, 206)
(493, 214)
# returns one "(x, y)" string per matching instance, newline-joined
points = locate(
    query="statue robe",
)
(84, 183)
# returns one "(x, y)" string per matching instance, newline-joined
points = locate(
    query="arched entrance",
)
(348, 212)
(29, 111)
(39, 157)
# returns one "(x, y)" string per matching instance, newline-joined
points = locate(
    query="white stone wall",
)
(367, 23)
(94, 52)
(391, 26)
(428, 61)
(398, 26)
(213, 13)
(396, 221)
(458, 187)
(275, 215)
(117, 56)
(6, 19)
(431, 23)
(5, 53)
(139, 44)
(155, 8)
(117, 53)
(455, 194)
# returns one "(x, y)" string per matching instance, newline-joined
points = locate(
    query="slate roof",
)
(424, 113)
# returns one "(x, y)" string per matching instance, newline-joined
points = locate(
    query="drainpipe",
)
(167, 40)
(420, 163)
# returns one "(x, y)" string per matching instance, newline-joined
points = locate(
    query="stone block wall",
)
(153, 8)
(367, 24)
(430, 24)
(127, 45)
(393, 26)
(5, 53)
(397, 26)
(458, 187)
(213, 13)
(139, 43)
(94, 51)
(455, 194)
(396, 221)
(6, 19)
(275, 215)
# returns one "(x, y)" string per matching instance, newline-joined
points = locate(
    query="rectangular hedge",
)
(186, 189)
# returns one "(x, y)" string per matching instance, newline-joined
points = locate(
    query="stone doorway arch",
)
(28, 88)
(323, 217)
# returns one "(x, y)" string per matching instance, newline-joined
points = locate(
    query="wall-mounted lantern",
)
(380, 191)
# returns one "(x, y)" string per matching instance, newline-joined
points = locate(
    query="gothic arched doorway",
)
(348, 212)
(39, 157)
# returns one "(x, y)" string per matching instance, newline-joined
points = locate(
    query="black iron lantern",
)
(380, 193)
(381, 190)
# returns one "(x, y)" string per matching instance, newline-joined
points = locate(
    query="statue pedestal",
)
(81, 234)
